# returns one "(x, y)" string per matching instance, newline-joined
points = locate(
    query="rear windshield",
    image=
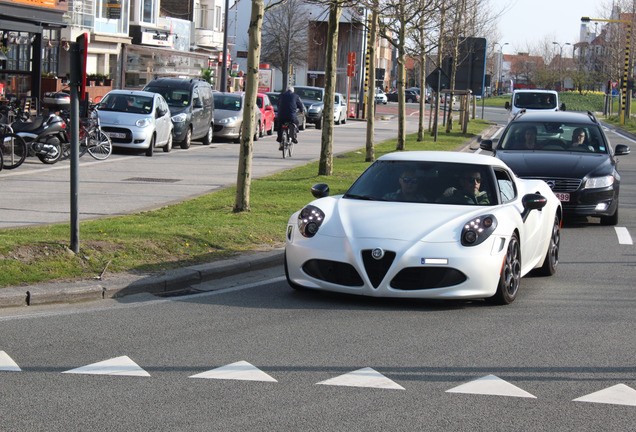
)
(532, 100)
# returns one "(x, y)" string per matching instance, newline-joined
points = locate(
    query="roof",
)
(442, 156)
(560, 116)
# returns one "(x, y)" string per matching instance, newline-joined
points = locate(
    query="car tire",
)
(510, 277)
(344, 119)
(610, 220)
(261, 130)
(207, 139)
(319, 123)
(258, 132)
(551, 260)
(168, 146)
(270, 131)
(151, 148)
(187, 141)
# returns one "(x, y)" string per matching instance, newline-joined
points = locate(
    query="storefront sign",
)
(157, 39)
(265, 81)
(40, 3)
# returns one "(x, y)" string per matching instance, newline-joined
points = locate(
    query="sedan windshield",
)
(554, 136)
(425, 182)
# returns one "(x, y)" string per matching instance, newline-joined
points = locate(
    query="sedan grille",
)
(419, 278)
(333, 272)
(377, 268)
(560, 184)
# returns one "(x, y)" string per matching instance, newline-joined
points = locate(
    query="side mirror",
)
(563, 107)
(507, 105)
(198, 103)
(622, 149)
(161, 112)
(532, 202)
(320, 190)
(486, 145)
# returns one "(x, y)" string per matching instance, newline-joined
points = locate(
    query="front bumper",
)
(227, 131)
(126, 137)
(592, 202)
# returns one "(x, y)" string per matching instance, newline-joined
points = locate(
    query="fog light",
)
(601, 206)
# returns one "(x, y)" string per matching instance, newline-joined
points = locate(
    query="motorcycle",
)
(44, 137)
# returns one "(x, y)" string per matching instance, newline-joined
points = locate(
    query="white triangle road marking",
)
(7, 363)
(123, 366)
(620, 394)
(365, 377)
(241, 370)
(491, 385)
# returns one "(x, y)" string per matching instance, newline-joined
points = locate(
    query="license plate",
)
(116, 134)
(565, 197)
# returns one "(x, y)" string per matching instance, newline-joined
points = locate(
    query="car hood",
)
(174, 110)
(119, 118)
(439, 223)
(220, 114)
(556, 164)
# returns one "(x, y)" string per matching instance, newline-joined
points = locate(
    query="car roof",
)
(535, 91)
(555, 116)
(442, 156)
(177, 82)
(134, 93)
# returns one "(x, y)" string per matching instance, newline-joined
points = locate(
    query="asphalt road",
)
(253, 354)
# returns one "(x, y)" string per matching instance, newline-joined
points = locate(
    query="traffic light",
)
(82, 46)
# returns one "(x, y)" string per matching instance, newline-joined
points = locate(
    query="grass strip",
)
(196, 231)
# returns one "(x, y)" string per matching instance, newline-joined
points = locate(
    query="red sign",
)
(228, 61)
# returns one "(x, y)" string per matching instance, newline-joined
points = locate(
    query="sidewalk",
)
(120, 285)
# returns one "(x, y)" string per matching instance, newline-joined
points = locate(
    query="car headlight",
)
(315, 108)
(228, 120)
(180, 118)
(599, 182)
(477, 230)
(309, 220)
(142, 123)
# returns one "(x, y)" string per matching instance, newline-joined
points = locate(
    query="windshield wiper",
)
(364, 197)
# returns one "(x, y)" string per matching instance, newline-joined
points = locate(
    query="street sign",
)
(432, 79)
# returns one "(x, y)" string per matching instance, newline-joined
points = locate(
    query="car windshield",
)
(535, 100)
(554, 136)
(227, 102)
(311, 94)
(273, 98)
(174, 97)
(425, 182)
(129, 103)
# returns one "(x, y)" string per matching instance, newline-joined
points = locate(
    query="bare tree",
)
(285, 36)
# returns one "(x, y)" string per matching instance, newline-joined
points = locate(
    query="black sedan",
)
(273, 98)
(409, 96)
(571, 153)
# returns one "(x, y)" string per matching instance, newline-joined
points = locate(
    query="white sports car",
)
(438, 225)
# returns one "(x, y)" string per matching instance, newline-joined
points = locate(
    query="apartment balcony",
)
(209, 38)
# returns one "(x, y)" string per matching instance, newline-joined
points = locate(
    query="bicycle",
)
(13, 148)
(287, 143)
(96, 142)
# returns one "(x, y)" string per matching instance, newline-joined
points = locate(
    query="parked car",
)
(228, 116)
(380, 97)
(191, 105)
(267, 113)
(136, 120)
(584, 177)
(340, 109)
(313, 98)
(409, 96)
(365, 242)
(273, 97)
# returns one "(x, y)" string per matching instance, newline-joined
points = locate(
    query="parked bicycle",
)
(289, 135)
(91, 137)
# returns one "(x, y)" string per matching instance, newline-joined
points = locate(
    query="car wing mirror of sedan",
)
(532, 202)
(486, 145)
(320, 190)
(622, 149)
(507, 105)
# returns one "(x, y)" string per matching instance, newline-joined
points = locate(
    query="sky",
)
(529, 22)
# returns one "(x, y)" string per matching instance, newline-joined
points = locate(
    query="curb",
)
(123, 285)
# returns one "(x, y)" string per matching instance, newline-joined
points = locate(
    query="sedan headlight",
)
(599, 182)
(477, 230)
(228, 120)
(309, 220)
(315, 108)
(144, 122)
(180, 118)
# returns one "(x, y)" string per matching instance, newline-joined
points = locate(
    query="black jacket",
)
(288, 104)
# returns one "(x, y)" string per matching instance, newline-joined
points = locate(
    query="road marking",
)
(121, 366)
(241, 370)
(365, 377)
(7, 363)
(620, 394)
(491, 385)
(623, 236)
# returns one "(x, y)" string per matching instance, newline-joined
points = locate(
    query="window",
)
(148, 11)
(507, 189)
(218, 15)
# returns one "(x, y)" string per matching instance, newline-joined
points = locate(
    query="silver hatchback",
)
(136, 120)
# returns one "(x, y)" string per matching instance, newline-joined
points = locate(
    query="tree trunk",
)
(325, 166)
(370, 154)
(244, 176)
(401, 61)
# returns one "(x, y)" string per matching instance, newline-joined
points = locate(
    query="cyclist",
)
(288, 104)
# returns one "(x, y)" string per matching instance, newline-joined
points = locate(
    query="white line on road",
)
(623, 236)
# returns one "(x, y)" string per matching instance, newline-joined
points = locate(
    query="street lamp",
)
(500, 64)
(561, 84)
(626, 70)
